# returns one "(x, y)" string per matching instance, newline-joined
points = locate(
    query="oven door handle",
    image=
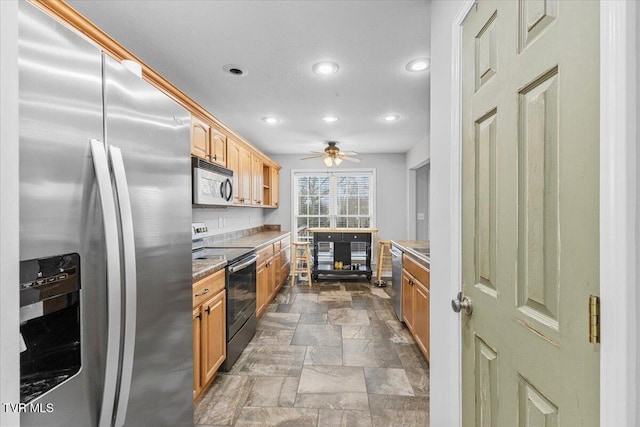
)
(241, 266)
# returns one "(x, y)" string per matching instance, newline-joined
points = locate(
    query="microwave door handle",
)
(237, 267)
(112, 248)
(130, 274)
(229, 188)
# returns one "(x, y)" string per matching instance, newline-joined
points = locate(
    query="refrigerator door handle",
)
(112, 247)
(130, 274)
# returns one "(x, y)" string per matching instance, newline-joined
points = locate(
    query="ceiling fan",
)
(332, 155)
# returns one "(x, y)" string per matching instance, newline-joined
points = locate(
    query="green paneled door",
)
(530, 223)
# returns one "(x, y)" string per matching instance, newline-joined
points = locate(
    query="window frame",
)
(333, 193)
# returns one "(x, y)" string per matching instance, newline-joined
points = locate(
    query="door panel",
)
(530, 203)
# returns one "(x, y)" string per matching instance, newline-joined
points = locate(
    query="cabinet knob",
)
(208, 310)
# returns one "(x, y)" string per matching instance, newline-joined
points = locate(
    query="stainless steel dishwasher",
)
(396, 281)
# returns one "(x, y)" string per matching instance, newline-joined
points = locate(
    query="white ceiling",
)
(276, 43)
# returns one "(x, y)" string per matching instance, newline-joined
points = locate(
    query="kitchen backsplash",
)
(227, 220)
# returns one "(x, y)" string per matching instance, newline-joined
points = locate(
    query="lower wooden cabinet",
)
(272, 271)
(197, 333)
(421, 317)
(408, 299)
(262, 288)
(209, 330)
(214, 343)
(415, 301)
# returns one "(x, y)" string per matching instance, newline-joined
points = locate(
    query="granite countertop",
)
(420, 249)
(257, 241)
(205, 266)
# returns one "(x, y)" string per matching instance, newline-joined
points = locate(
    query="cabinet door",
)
(407, 299)
(271, 279)
(197, 348)
(285, 262)
(200, 133)
(275, 187)
(233, 163)
(262, 288)
(218, 147)
(245, 184)
(277, 271)
(421, 317)
(256, 180)
(213, 336)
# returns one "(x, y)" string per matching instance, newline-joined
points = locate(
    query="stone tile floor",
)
(332, 354)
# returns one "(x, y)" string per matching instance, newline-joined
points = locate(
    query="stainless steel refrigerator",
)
(105, 243)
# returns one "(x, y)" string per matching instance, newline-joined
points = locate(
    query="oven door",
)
(241, 293)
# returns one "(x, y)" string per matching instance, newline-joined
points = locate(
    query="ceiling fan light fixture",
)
(329, 119)
(390, 117)
(337, 161)
(328, 162)
(418, 64)
(270, 120)
(325, 68)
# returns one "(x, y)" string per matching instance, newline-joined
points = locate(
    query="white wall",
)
(9, 219)
(390, 190)
(417, 156)
(233, 218)
(444, 324)
(422, 202)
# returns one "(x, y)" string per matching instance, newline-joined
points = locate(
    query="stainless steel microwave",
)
(212, 184)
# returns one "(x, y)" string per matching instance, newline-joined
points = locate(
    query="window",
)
(333, 199)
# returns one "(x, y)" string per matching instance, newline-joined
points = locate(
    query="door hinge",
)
(594, 319)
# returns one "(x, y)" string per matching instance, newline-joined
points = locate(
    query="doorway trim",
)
(617, 211)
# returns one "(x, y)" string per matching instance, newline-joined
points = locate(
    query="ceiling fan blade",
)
(347, 153)
(351, 159)
(317, 156)
(317, 152)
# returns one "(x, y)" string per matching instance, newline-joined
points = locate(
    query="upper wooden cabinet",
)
(275, 187)
(256, 180)
(239, 161)
(218, 147)
(271, 186)
(200, 136)
(207, 142)
(246, 182)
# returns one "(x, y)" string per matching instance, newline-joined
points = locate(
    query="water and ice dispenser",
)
(49, 323)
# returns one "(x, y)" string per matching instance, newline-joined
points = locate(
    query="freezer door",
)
(152, 133)
(60, 110)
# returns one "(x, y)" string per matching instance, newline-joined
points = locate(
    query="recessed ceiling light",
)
(418, 64)
(325, 68)
(235, 70)
(390, 117)
(271, 120)
(330, 119)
